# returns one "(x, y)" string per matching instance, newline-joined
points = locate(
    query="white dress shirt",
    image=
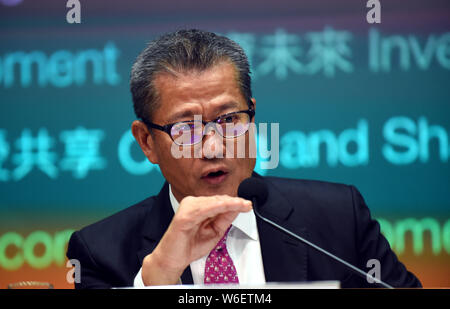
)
(242, 245)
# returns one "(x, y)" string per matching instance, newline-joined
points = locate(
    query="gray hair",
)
(182, 51)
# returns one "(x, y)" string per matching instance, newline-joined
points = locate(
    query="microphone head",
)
(251, 188)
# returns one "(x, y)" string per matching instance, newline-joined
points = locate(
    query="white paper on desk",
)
(272, 285)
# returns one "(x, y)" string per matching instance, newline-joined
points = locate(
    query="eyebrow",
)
(181, 114)
(189, 113)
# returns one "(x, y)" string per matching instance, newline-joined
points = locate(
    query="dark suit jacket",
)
(333, 216)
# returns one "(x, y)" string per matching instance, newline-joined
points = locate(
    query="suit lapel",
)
(156, 222)
(284, 258)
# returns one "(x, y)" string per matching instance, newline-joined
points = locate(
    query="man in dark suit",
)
(192, 93)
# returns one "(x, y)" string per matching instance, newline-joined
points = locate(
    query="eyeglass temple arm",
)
(154, 126)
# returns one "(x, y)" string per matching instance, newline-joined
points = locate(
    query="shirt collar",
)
(245, 221)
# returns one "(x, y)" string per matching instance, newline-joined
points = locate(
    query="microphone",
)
(255, 190)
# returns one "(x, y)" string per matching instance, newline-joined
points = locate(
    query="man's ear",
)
(145, 140)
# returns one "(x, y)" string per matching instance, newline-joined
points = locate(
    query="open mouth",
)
(215, 174)
(215, 177)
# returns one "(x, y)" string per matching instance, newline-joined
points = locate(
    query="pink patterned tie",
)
(219, 267)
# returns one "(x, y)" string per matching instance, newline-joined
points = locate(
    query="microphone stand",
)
(352, 267)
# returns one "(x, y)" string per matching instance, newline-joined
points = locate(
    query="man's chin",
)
(221, 189)
(215, 191)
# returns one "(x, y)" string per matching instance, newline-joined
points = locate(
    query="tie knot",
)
(222, 242)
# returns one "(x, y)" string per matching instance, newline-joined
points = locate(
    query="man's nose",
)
(213, 143)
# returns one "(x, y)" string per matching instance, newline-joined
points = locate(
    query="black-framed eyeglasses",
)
(191, 132)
